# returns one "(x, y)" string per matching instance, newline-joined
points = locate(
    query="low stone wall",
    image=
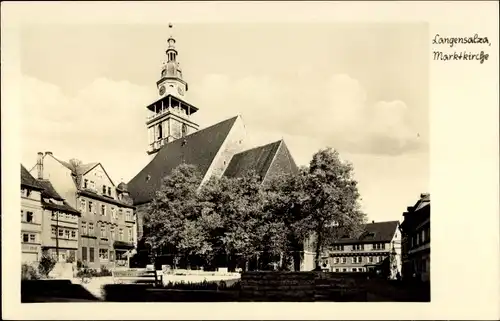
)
(277, 286)
(303, 286)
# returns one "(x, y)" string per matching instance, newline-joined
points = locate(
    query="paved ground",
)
(95, 285)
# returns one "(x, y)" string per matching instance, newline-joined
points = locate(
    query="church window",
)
(160, 132)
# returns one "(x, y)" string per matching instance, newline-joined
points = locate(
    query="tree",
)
(283, 228)
(75, 164)
(332, 199)
(171, 219)
(231, 214)
(46, 265)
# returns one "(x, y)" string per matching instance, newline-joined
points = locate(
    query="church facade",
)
(220, 149)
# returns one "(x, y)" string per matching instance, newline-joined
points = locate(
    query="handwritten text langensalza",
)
(460, 55)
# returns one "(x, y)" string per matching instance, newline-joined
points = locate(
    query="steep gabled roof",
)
(65, 207)
(81, 170)
(257, 159)
(373, 232)
(425, 200)
(28, 180)
(198, 148)
(49, 190)
(417, 213)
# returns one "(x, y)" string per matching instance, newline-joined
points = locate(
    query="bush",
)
(104, 271)
(46, 265)
(28, 272)
(205, 285)
(84, 271)
(79, 264)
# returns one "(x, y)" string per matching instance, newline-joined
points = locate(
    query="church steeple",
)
(172, 71)
(170, 116)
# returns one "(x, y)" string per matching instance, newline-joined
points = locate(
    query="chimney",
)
(39, 165)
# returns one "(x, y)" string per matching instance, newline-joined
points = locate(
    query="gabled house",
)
(376, 248)
(107, 224)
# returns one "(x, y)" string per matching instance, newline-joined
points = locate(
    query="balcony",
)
(173, 110)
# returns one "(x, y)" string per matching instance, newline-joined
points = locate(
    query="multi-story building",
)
(416, 240)
(378, 247)
(31, 218)
(107, 223)
(60, 224)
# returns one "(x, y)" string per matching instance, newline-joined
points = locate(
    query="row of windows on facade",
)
(27, 217)
(89, 184)
(348, 270)
(106, 190)
(159, 131)
(63, 216)
(104, 255)
(28, 238)
(422, 236)
(360, 247)
(358, 259)
(88, 230)
(91, 209)
(64, 233)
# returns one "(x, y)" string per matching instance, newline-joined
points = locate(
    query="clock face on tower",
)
(162, 90)
(180, 90)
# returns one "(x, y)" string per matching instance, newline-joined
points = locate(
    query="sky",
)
(357, 87)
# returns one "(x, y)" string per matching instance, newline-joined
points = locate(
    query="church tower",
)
(169, 117)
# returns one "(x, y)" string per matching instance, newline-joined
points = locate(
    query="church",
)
(174, 138)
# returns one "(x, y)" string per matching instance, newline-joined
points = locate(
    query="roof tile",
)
(28, 180)
(198, 148)
(373, 232)
(257, 159)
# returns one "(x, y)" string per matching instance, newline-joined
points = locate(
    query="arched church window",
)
(184, 130)
(160, 131)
